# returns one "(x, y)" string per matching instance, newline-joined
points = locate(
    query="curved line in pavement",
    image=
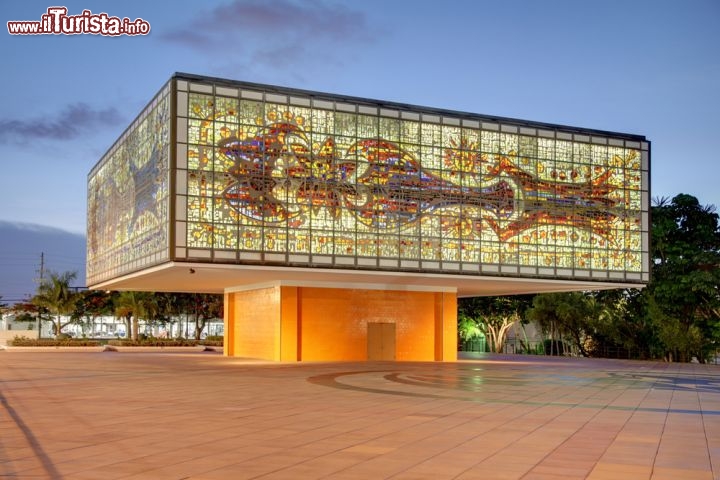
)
(331, 380)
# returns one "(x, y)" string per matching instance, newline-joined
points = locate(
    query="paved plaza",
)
(199, 415)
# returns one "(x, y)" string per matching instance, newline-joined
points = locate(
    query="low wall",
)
(6, 335)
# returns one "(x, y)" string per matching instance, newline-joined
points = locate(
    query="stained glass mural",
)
(128, 198)
(275, 176)
(360, 184)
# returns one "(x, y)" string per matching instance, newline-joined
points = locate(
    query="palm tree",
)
(56, 296)
(131, 306)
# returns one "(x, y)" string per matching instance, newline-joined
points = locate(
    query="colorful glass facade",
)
(266, 175)
(128, 197)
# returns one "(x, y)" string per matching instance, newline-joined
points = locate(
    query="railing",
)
(558, 348)
(473, 345)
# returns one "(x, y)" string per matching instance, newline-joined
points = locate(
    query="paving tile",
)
(681, 474)
(207, 417)
(620, 471)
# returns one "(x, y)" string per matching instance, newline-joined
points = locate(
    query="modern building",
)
(343, 228)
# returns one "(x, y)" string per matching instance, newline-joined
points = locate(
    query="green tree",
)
(493, 315)
(636, 330)
(174, 306)
(165, 308)
(204, 307)
(131, 307)
(157, 309)
(566, 313)
(468, 330)
(197, 308)
(618, 326)
(92, 304)
(55, 295)
(683, 298)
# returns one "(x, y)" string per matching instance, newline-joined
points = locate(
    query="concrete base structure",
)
(283, 322)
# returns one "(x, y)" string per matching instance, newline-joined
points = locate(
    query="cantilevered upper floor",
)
(222, 183)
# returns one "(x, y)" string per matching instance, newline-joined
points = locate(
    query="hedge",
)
(164, 342)
(53, 342)
(214, 341)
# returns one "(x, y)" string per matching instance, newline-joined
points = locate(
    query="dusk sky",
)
(648, 67)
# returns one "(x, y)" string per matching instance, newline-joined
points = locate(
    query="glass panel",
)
(309, 180)
(128, 199)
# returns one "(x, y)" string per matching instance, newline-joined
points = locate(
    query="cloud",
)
(188, 37)
(261, 30)
(281, 17)
(70, 123)
(6, 225)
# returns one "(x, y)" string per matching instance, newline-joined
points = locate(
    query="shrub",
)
(153, 342)
(52, 342)
(213, 341)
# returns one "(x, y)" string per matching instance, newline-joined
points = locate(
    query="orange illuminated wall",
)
(290, 323)
(253, 323)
